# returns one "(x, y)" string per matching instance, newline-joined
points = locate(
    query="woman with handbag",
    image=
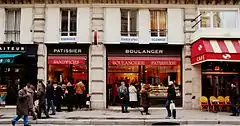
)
(170, 103)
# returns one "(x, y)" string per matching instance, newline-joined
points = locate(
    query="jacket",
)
(22, 102)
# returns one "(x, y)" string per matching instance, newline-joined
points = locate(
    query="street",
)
(109, 125)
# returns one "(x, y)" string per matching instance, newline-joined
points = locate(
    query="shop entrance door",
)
(218, 84)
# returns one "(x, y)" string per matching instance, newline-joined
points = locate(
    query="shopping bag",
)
(172, 105)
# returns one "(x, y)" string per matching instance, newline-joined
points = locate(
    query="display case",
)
(161, 91)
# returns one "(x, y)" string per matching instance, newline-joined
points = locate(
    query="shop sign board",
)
(129, 39)
(67, 49)
(143, 62)
(68, 39)
(161, 39)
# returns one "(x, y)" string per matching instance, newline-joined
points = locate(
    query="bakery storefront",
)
(219, 60)
(18, 65)
(67, 62)
(144, 64)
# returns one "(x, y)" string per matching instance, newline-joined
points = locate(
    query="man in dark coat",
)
(22, 106)
(123, 95)
(50, 97)
(59, 96)
(42, 102)
(171, 96)
(234, 100)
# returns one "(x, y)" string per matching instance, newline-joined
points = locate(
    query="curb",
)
(124, 122)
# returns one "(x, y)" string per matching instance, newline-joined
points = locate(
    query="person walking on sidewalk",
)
(59, 97)
(234, 100)
(133, 95)
(80, 90)
(50, 98)
(69, 92)
(123, 95)
(22, 105)
(42, 102)
(171, 96)
(145, 101)
(31, 91)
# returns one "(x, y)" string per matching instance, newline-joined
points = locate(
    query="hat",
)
(170, 83)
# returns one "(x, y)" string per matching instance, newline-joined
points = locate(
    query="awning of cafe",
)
(215, 50)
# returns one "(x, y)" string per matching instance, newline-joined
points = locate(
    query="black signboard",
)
(67, 49)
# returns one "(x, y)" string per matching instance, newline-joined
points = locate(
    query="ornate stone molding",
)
(196, 2)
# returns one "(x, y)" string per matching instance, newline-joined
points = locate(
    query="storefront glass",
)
(217, 78)
(148, 68)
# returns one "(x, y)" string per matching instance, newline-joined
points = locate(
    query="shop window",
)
(218, 19)
(69, 22)
(157, 76)
(12, 25)
(158, 22)
(129, 22)
(64, 73)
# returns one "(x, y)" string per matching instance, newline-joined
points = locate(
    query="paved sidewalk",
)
(108, 117)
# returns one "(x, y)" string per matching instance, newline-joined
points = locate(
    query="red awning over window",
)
(67, 60)
(215, 50)
(157, 61)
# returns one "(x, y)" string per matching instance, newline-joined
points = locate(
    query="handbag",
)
(172, 105)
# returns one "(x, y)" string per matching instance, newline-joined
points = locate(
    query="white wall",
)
(112, 26)
(144, 26)
(175, 26)
(26, 25)
(52, 34)
(83, 25)
(2, 25)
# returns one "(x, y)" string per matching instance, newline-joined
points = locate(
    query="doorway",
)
(218, 83)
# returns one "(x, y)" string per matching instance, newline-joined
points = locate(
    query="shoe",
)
(53, 114)
(141, 112)
(13, 123)
(127, 112)
(174, 117)
(47, 116)
(233, 115)
(148, 113)
(27, 125)
(167, 117)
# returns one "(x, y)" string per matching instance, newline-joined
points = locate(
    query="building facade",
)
(104, 42)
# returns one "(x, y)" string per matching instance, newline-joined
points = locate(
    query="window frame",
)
(68, 32)
(15, 31)
(129, 32)
(159, 30)
(218, 9)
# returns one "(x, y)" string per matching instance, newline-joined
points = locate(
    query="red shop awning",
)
(155, 61)
(67, 60)
(215, 50)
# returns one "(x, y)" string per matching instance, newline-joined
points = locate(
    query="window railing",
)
(158, 32)
(68, 33)
(12, 35)
(129, 33)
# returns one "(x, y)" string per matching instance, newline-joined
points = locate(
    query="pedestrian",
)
(133, 95)
(123, 95)
(22, 105)
(59, 97)
(145, 101)
(31, 91)
(80, 90)
(41, 91)
(50, 97)
(234, 100)
(171, 96)
(69, 92)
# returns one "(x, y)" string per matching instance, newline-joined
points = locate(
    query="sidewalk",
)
(108, 117)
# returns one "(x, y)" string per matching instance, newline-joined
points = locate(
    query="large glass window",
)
(218, 19)
(158, 22)
(129, 22)
(12, 25)
(69, 22)
(157, 76)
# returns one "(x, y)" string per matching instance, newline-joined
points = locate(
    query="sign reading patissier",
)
(67, 51)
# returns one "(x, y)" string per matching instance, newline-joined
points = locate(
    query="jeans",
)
(170, 113)
(16, 118)
(125, 106)
(50, 104)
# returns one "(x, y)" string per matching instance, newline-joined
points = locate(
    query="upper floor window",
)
(158, 22)
(129, 22)
(69, 22)
(218, 19)
(12, 25)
